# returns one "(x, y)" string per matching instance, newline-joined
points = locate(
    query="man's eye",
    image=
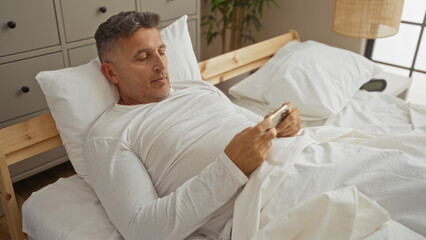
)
(142, 59)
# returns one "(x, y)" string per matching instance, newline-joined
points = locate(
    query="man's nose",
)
(160, 63)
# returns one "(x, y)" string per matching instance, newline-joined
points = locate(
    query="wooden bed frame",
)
(29, 138)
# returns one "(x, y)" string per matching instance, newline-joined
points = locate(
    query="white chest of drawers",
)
(52, 34)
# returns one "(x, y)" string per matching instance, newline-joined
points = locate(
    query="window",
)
(405, 52)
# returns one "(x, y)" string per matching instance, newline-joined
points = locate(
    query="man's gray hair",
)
(121, 25)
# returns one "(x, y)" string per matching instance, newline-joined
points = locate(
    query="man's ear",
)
(109, 72)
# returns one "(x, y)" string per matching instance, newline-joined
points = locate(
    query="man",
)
(167, 162)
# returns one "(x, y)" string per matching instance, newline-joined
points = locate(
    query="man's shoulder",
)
(182, 84)
(108, 125)
(195, 85)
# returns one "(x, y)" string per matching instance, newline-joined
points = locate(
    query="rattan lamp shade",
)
(367, 18)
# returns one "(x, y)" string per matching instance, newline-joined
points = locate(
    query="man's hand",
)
(290, 126)
(250, 147)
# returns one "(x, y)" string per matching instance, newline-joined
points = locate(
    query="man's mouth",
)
(159, 80)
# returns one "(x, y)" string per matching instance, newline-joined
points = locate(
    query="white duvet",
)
(373, 112)
(336, 183)
(332, 183)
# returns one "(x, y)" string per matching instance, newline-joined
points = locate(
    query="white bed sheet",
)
(373, 112)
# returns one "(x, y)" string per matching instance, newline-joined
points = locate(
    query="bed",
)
(70, 209)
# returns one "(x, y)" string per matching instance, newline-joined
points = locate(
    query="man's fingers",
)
(289, 130)
(289, 105)
(288, 133)
(269, 134)
(291, 124)
(291, 119)
(262, 126)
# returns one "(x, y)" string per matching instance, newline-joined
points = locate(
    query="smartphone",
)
(278, 115)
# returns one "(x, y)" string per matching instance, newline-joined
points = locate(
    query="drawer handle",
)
(11, 24)
(25, 89)
(103, 9)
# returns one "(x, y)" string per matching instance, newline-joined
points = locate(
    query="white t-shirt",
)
(160, 170)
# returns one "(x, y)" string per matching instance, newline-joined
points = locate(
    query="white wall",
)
(310, 18)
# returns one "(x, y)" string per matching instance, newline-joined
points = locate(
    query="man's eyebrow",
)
(147, 50)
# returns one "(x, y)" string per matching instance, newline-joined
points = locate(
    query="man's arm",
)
(125, 189)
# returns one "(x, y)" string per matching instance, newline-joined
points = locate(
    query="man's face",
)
(139, 68)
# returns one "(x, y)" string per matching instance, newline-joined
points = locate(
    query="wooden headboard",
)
(29, 138)
(243, 60)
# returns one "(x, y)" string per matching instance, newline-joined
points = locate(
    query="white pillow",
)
(78, 96)
(317, 78)
(181, 60)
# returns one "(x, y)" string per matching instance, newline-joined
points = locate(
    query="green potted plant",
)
(236, 18)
